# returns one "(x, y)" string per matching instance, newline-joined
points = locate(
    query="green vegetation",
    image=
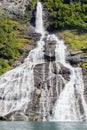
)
(70, 14)
(32, 5)
(73, 39)
(84, 65)
(64, 14)
(10, 43)
(29, 8)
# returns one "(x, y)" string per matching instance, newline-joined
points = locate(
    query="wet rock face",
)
(50, 78)
(85, 82)
(49, 49)
(48, 86)
(15, 7)
(49, 81)
(76, 58)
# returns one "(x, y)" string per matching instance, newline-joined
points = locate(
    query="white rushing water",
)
(67, 106)
(39, 20)
(17, 84)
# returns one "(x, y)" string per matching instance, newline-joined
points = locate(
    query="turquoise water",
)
(42, 126)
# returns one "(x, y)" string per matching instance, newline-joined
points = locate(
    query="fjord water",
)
(42, 126)
(16, 86)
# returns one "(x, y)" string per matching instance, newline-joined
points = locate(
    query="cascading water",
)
(17, 85)
(39, 20)
(67, 107)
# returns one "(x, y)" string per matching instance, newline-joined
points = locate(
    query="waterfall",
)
(67, 106)
(60, 99)
(17, 84)
(39, 20)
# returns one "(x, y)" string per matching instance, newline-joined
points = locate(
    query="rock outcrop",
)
(76, 58)
(14, 7)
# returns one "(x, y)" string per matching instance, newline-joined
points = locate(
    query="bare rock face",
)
(15, 7)
(48, 86)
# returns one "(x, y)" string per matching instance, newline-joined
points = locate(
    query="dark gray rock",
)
(48, 86)
(75, 57)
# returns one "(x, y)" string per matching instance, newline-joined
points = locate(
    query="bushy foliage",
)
(10, 45)
(32, 5)
(84, 65)
(74, 39)
(66, 14)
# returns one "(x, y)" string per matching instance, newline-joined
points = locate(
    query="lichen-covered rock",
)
(15, 7)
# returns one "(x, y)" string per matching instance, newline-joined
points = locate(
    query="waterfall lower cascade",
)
(45, 87)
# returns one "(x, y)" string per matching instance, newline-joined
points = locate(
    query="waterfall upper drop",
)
(39, 20)
(45, 87)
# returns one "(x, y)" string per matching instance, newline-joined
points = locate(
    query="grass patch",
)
(73, 39)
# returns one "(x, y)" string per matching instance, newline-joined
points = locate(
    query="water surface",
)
(42, 126)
